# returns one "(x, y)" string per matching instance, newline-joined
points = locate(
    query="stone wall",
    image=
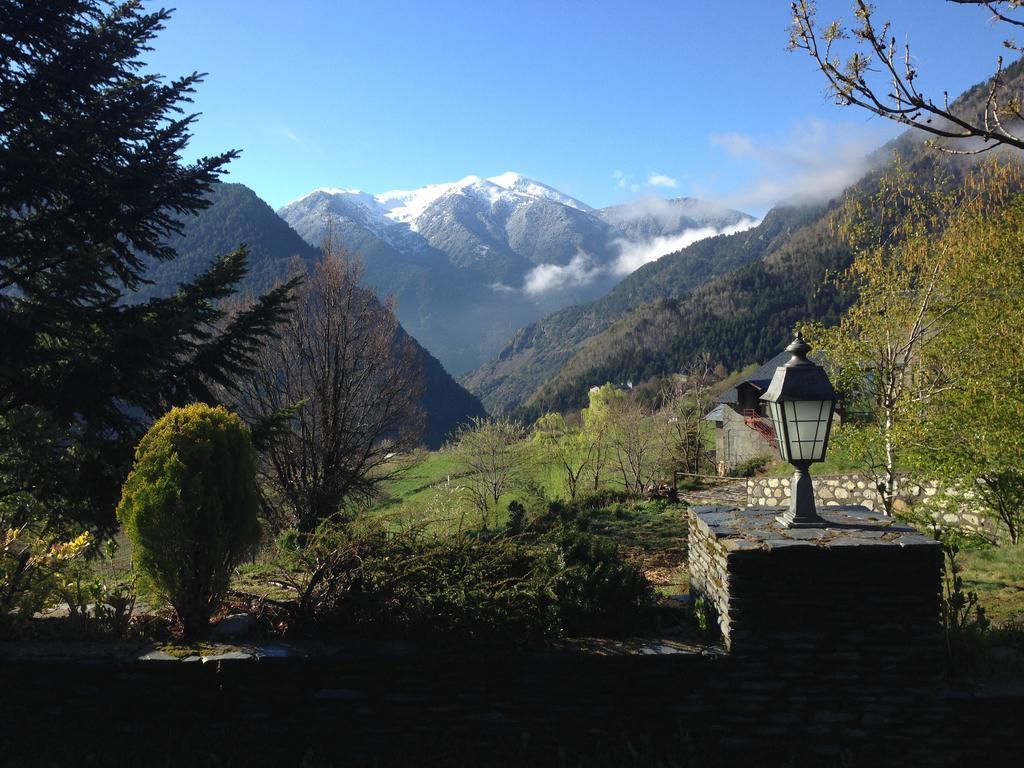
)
(501, 707)
(736, 442)
(838, 629)
(847, 489)
(813, 592)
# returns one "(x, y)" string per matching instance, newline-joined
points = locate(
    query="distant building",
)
(743, 430)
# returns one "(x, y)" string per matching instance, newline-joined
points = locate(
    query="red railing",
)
(760, 424)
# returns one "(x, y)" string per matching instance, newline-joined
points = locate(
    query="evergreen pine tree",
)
(92, 183)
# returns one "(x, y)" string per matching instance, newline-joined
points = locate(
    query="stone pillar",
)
(863, 593)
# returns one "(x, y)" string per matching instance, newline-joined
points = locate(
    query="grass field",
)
(997, 575)
(651, 532)
(417, 483)
(427, 494)
(655, 533)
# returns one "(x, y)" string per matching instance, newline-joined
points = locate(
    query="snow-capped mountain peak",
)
(405, 206)
(516, 182)
(519, 184)
(506, 225)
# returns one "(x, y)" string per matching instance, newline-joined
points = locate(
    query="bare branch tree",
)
(638, 443)
(355, 383)
(491, 451)
(687, 398)
(882, 79)
(1011, 5)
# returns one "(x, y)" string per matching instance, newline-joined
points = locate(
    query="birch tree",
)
(866, 68)
(910, 348)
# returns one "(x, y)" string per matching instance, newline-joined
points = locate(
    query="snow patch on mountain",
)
(516, 182)
(404, 206)
(407, 206)
(518, 230)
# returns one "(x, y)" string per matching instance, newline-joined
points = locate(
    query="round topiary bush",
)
(190, 508)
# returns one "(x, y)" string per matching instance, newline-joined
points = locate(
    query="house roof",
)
(715, 414)
(759, 379)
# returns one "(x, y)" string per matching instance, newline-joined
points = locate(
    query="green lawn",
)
(997, 575)
(425, 495)
(418, 481)
(652, 532)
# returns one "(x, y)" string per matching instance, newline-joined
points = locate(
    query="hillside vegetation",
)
(538, 351)
(236, 215)
(735, 297)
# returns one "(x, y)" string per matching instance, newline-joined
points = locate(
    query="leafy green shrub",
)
(605, 497)
(190, 508)
(750, 467)
(516, 517)
(460, 588)
(559, 511)
(963, 617)
(599, 591)
(501, 589)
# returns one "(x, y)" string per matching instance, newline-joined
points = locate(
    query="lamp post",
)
(801, 402)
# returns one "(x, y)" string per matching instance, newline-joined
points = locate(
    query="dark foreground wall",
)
(564, 708)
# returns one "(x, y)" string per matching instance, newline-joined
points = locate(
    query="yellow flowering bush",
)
(33, 569)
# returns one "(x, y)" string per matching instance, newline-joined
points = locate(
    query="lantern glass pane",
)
(807, 426)
(779, 423)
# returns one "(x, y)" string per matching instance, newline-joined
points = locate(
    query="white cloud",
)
(735, 144)
(632, 256)
(624, 180)
(582, 269)
(815, 161)
(289, 134)
(655, 179)
(549, 277)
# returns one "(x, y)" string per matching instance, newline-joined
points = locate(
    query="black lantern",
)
(801, 402)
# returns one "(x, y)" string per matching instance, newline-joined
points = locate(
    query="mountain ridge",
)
(510, 378)
(660, 317)
(237, 215)
(473, 260)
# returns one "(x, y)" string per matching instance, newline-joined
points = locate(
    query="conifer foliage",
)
(190, 508)
(91, 186)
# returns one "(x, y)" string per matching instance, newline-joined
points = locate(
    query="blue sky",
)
(606, 101)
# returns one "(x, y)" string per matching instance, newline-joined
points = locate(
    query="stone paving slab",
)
(152, 653)
(755, 528)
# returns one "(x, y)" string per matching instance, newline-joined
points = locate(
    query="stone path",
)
(729, 492)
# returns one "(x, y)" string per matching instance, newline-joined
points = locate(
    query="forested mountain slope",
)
(237, 215)
(660, 318)
(743, 317)
(471, 261)
(538, 351)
